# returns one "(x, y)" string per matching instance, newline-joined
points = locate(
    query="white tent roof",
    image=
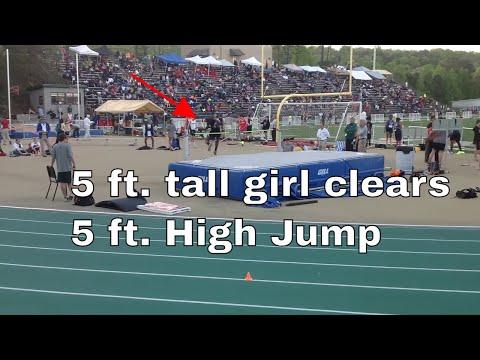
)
(83, 50)
(312, 68)
(375, 74)
(319, 69)
(197, 60)
(307, 68)
(292, 67)
(226, 63)
(212, 61)
(360, 75)
(252, 61)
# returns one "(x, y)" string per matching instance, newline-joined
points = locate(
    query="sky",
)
(475, 48)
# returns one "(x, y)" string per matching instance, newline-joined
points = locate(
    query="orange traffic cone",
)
(248, 277)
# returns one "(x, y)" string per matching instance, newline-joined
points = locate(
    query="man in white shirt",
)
(322, 137)
(86, 125)
(193, 129)
(18, 148)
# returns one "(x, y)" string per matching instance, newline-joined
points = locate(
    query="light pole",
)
(8, 87)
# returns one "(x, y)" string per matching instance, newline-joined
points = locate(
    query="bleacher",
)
(232, 91)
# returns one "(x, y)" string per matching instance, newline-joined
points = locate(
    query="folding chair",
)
(52, 176)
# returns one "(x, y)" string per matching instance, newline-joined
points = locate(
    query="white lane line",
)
(238, 259)
(184, 301)
(258, 233)
(397, 288)
(467, 227)
(276, 247)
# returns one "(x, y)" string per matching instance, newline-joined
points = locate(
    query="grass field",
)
(310, 130)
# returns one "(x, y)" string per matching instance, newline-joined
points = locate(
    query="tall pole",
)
(186, 152)
(78, 88)
(374, 57)
(351, 68)
(261, 87)
(8, 86)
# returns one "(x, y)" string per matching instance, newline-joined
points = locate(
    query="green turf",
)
(414, 270)
(310, 130)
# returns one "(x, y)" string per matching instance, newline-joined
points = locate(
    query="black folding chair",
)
(52, 176)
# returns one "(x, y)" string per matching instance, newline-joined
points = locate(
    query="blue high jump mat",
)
(320, 164)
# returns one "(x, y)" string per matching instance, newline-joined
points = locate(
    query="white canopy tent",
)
(307, 68)
(376, 75)
(312, 69)
(318, 69)
(81, 50)
(197, 60)
(252, 61)
(292, 67)
(209, 60)
(212, 61)
(226, 63)
(360, 75)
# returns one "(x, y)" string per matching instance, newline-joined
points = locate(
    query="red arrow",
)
(182, 108)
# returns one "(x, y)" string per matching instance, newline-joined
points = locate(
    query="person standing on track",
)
(63, 155)
(350, 133)
(439, 140)
(149, 132)
(398, 132)
(5, 126)
(389, 125)
(43, 129)
(171, 132)
(322, 137)
(265, 127)
(215, 125)
(429, 139)
(86, 125)
(476, 141)
(369, 131)
(362, 137)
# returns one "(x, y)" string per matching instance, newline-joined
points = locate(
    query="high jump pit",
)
(320, 165)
